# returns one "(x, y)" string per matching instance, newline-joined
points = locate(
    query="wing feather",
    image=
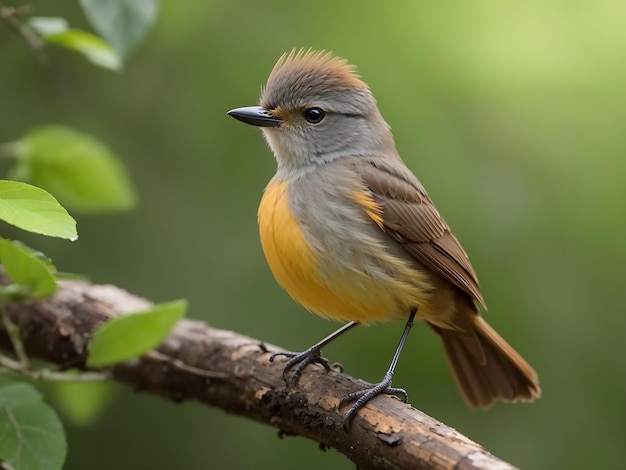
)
(409, 215)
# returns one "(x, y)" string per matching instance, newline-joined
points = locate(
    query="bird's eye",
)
(314, 115)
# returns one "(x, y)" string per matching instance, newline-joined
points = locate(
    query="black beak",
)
(256, 116)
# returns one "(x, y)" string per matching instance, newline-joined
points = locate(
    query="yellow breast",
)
(295, 266)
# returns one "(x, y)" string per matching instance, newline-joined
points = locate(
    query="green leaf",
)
(31, 434)
(82, 402)
(27, 268)
(56, 31)
(134, 334)
(123, 23)
(33, 209)
(94, 49)
(78, 169)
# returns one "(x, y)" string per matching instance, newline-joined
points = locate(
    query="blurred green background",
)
(513, 115)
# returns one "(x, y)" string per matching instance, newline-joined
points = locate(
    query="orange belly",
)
(356, 297)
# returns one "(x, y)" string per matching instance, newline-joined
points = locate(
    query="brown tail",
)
(485, 367)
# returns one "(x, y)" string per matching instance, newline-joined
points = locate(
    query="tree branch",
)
(230, 371)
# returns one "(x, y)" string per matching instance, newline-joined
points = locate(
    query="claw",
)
(362, 397)
(311, 356)
(300, 361)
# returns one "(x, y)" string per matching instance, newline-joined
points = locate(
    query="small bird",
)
(351, 234)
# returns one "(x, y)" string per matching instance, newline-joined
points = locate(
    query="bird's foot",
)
(300, 360)
(362, 397)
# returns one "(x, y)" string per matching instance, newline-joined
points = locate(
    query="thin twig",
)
(10, 16)
(14, 335)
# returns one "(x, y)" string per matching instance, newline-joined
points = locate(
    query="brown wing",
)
(409, 215)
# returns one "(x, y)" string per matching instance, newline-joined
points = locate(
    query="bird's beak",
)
(256, 116)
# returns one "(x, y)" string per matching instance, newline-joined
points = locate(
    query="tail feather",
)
(485, 367)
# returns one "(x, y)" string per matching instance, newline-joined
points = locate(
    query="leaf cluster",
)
(56, 167)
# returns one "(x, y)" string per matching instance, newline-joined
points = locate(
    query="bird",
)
(352, 235)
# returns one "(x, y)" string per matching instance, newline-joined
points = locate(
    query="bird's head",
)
(315, 109)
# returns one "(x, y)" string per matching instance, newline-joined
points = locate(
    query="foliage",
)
(131, 335)
(77, 168)
(122, 22)
(56, 31)
(33, 209)
(33, 274)
(84, 174)
(32, 434)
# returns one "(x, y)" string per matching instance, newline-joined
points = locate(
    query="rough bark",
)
(225, 369)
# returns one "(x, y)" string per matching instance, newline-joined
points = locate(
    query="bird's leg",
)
(300, 360)
(364, 396)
